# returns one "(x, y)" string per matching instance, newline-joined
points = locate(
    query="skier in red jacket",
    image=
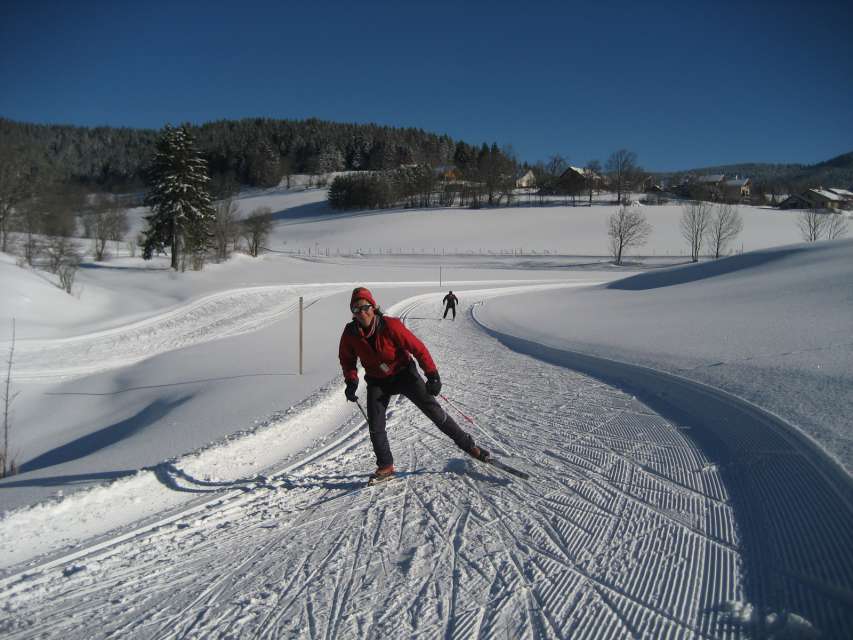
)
(385, 347)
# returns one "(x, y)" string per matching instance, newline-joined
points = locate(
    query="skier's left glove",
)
(433, 384)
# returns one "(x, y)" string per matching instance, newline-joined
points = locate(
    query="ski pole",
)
(469, 419)
(498, 463)
(453, 404)
(366, 419)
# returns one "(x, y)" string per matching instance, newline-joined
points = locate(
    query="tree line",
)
(251, 152)
(709, 227)
(485, 177)
(476, 178)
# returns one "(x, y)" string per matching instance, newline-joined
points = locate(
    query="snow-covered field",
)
(686, 430)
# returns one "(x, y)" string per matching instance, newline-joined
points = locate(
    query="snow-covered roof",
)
(737, 182)
(713, 178)
(844, 193)
(576, 170)
(826, 193)
(580, 171)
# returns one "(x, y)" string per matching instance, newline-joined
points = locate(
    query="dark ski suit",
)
(451, 301)
(390, 370)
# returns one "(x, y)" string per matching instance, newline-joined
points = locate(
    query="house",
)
(819, 198)
(652, 185)
(572, 180)
(736, 188)
(577, 180)
(447, 172)
(846, 197)
(716, 187)
(711, 181)
(526, 181)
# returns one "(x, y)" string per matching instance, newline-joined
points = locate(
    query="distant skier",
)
(450, 301)
(385, 347)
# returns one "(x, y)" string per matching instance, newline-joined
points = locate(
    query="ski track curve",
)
(626, 529)
(212, 317)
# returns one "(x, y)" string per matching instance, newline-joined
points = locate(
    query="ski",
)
(505, 467)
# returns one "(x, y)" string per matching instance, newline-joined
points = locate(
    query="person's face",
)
(363, 311)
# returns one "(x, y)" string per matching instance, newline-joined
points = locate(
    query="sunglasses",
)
(363, 308)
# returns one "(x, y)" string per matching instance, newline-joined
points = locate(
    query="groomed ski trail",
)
(625, 531)
(212, 317)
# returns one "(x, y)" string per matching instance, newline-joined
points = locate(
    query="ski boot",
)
(480, 454)
(382, 474)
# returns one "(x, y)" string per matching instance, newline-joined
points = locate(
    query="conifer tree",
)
(181, 207)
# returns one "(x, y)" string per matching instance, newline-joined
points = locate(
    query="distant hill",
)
(259, 151)
(835, 172)
(252, 151)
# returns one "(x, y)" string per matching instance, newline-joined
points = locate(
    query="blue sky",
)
(682, 84)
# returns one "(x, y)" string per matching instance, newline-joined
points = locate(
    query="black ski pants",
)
(409, 383)
(448, 308)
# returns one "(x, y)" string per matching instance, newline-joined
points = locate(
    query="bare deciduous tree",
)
(60, 251)
(103, 222)
(28, 219)
(626, 228)
(15, 187)
(7, 465)
(556, 165)
(67, 271)
(724, 227)
(118, 225)
(226, 229)
(811, 224)
(621, 166)
(836, 226)
(592, 174)
(694, 224)
(256, 228)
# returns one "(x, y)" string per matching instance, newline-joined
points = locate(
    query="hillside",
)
(253, 151)
(837, 171)
(259, 151)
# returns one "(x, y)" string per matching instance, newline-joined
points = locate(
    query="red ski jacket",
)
(395, 345)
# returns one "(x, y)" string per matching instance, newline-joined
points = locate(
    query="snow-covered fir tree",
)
(181, 206)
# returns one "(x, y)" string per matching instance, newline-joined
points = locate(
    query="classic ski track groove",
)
(212, 317)
(625, 529)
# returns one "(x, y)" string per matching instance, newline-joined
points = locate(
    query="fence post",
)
(300, 335)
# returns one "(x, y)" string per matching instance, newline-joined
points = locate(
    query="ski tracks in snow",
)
(625, 530)
(216, 316)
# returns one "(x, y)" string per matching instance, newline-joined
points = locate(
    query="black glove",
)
(433, 384)
(349, 392)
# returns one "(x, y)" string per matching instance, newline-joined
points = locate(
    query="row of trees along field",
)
(487, 177)
(709, 227)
